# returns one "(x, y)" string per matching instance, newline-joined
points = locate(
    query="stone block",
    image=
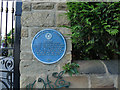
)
(26, 44)
(75, 81)
(35, 67)
(112, 66)
(26, 6)
(34, 30)
(91, 67)
(24, 32)
(61, 18)
(78, 81)
(43, 6)
(118, 80)
(38, 18)
(69, 45)
(64, 31)
(101, 81)
(62, 6)
(66, 59)
(26, 80)
(26, 55)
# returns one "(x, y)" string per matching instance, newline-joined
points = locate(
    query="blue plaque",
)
(48, 46)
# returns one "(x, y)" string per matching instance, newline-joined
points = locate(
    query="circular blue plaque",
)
(48, 46)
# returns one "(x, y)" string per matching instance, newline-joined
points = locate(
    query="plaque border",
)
(63, 40)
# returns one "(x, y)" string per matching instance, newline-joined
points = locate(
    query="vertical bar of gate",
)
(1, 22)
(6, 23)
(11, 86)
(12, 23)
(18, 12)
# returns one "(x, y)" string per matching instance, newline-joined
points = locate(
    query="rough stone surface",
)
(119, 81)
(36, 68)
(26, 44)
(26, 80)
(61, 18)
(101, 82)
(64, 31)
(26, 6)
(43, 6)
(26, 55)
(69, 45)
(24, 32)
(66, 59)
(91, 67)
(77, 81)
(62, 6)
(34, 30)
(112, 66)
(38, 18)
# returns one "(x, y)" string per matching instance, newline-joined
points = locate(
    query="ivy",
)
(95, 29)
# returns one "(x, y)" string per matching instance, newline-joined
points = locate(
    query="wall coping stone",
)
(98, 67)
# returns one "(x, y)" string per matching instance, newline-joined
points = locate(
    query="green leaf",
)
(87, 21)
(72, 71)
(112, 31)
(107, 26)
(90, 47)
(90, 42)
(115, 27)
(118, 53)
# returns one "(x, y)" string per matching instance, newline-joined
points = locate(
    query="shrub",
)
(95, 29)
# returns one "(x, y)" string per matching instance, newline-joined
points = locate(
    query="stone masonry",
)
(42, 15)
(35, 17)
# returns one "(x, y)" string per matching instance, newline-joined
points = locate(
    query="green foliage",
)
(71, 68)
(9, 37)
(95, 29)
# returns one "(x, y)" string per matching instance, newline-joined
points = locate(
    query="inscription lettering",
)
(49, 49)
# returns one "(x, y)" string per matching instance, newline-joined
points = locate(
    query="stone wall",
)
(35, 17)
(41, 15)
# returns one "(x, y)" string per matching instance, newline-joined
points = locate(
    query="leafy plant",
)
(9, 38)
(71, 68)
(95, 29)
(9, 42)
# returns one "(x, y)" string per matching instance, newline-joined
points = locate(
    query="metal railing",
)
(10, 44)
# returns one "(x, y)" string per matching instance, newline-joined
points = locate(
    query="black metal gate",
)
(10, 31)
